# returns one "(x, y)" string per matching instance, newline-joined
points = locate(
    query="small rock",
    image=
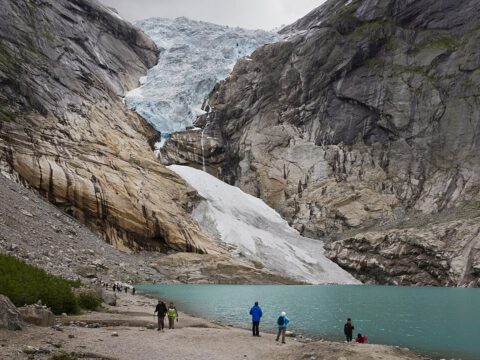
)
(13, 247)
(29, 350)
(71, 336)
(26, 213)
(150, 326)
(43, 350)
(114, 333)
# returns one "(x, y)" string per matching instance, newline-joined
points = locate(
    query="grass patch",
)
(26, 284)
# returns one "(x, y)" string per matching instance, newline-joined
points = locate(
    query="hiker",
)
(133, 291)
(361, 339)
(172, 315)
(256, 312)
(126, 289)
(282, 323)
(161, 310)
(348, 330)
(114, 287)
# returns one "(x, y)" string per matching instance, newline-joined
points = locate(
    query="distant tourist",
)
(361, 339)
(256, 312)
(282, 323)
(133, 291)
(126, 289)
(161, 310)
(172, 315)
(348, 330)
(114, 287)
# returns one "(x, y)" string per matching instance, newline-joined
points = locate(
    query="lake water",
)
(439, 322)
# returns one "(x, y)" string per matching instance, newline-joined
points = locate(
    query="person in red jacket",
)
(361, 339)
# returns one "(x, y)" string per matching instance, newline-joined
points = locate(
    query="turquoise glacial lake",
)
(437, 322)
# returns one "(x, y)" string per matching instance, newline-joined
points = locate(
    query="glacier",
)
(194, 56)
(257, 232)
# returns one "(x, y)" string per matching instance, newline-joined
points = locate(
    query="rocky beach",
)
(128, 331)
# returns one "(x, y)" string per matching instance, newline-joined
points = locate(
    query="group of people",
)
(348, 331)
(282, 324)
(118, 287)
(162, 310)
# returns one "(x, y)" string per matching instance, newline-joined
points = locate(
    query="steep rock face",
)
(64, 130)
(366, 115)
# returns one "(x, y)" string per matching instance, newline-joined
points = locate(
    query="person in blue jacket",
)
(256, 312)
(282, 323)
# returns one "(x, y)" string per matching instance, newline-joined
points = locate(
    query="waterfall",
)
(203, 150)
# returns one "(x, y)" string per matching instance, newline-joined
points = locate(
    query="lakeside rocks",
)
(10, 317)
(364, 116)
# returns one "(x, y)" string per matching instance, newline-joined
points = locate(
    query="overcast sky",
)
(252, 14)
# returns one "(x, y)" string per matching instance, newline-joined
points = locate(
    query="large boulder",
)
(109, 298)
(9, 315)
(37, 315)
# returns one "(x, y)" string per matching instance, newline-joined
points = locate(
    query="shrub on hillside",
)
(89, 300)
(26, 284)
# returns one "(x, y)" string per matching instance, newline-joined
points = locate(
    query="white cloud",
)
(253, 14)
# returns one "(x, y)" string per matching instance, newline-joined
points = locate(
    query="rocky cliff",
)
(64, 66)
(362, 127)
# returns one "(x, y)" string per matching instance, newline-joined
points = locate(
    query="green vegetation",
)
(89, 300)
(26, 284)
(373, 30)
(6, 114)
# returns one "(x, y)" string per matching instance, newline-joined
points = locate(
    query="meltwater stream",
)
(438, 322)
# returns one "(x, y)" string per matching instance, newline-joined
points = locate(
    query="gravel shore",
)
(127, 331)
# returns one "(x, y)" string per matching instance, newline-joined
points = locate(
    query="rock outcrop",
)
(217, 269)
(365, 116)
(9, 316)
(37, 315)
(64, 130)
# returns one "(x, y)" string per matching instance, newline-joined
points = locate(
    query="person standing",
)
(172, 315)
(161, 311)
(348, 330)
(282, 323)
(256, 313)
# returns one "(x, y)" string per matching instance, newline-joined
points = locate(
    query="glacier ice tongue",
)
(194, 56)
(258, 232)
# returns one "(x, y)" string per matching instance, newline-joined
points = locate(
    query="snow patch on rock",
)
(258, 232)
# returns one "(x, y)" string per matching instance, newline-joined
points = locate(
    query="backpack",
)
(281, 320)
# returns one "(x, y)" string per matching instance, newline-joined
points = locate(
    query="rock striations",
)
(363, 127)
(64, 66)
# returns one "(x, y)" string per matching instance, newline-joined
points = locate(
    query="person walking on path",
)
(348, 330)
(282, 323)
(256, 313)
(172, 315)
(161, 311)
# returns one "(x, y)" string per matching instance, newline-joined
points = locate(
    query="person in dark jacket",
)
(256, 313)
(348, 330)
(161, 311)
